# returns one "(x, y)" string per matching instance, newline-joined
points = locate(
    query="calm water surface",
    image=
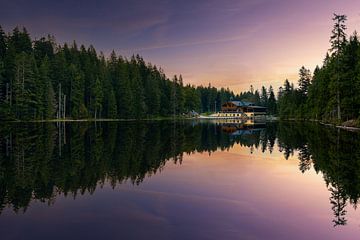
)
(183, 180)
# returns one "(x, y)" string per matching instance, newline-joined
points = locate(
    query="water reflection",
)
(42, 161)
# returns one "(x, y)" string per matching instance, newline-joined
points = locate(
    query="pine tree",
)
(264, 97)
(43, 47)
(152, 93)
(124, 92)
(180, 96)
(271, 101)
(257, 100)
(304, 81)
(138, 109)
(98, 96)
(348, 64)
(47, 92)
(25, 98)
(2, 44)
(77, 86)
(21, 41)
(338, 40)
(4, 97)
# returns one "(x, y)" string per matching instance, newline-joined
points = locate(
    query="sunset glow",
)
(226, 43)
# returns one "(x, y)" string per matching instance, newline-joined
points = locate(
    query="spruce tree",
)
(48, 95)
(77, 86)
(271, 101)
(123, 86)
(152, 93)
(138, 106)
(338, 40)
(21, 41)
(2, 44)
(304, 81)
(264, 97)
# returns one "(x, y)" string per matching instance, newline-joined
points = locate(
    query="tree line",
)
(332, 93)
(40, 79)
(42, 160)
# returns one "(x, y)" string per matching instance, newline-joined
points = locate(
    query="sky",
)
(228, 43)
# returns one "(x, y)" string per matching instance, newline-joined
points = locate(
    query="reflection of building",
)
(236, 129)
(238, 108)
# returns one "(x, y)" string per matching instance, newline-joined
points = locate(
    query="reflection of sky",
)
(228, 43)
(227, 195)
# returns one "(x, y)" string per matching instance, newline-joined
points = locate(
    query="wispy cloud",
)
(198, 42)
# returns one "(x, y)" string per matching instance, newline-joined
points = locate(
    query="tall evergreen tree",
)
(304, 81)
(48, 102)
(272, 101)
(338, 40)
(2, 44)
(76, 97)
(264, 97)
(21, 41)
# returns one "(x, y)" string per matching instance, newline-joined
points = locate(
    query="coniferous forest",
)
(332, 93)
(40, 79)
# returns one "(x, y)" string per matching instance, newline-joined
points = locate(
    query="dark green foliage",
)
(20, 41)
(264, 97)
(76, 97)
(332, 93)
(44, 47)
(304, 81)
(291, 100)
(331, 151)
(43, 80)
(338, 37)
(272, 104)
(43, 161)
(2, 44)
(47, 103)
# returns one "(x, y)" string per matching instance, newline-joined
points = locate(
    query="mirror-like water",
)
(183, 180)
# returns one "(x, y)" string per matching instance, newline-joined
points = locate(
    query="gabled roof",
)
(242, 103)
(245, 104)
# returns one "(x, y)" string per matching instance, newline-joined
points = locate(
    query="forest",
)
(332, 92)
(43, 80)
(40, 79)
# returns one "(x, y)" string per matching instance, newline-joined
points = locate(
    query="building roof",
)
(242, 103)
(246, 104)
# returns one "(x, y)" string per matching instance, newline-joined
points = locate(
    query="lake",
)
(178, 180)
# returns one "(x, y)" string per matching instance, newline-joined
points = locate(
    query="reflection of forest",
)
(333, 152)
(39, 161)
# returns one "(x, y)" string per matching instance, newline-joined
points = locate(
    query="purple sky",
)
(229, 43)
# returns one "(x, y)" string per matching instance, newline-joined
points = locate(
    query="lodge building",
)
(242, 109)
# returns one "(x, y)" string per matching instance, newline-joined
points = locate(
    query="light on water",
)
(183, 180)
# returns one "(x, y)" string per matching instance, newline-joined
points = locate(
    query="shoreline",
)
(348, 128)
(98, 120)
(272, 119)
